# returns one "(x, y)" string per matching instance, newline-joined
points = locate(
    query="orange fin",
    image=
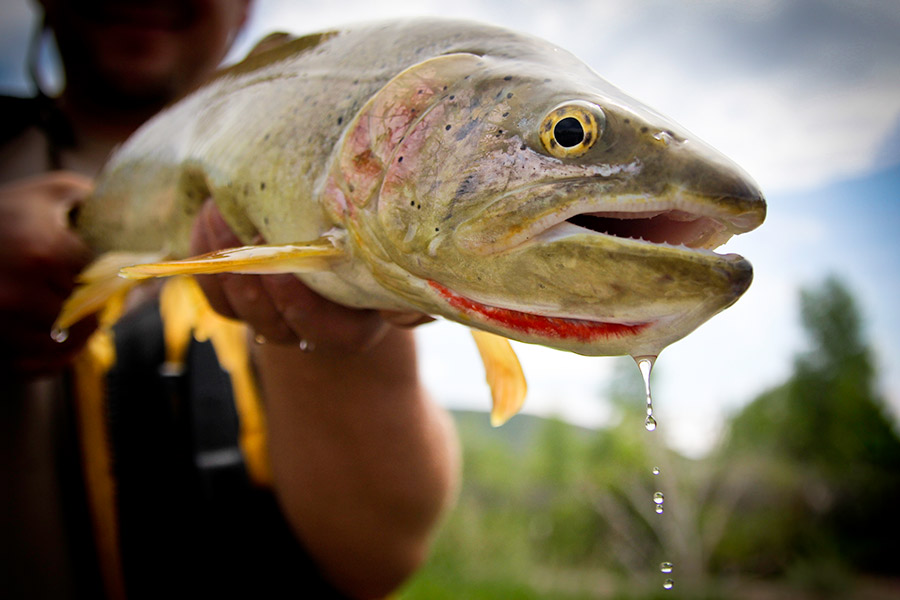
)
(99, 286)
(504, 375)
(265, 258)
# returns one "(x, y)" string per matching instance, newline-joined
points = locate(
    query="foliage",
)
(798, 491)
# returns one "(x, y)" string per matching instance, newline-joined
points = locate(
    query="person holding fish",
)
(361, 463)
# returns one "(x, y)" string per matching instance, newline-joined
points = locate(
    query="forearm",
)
(364, 463)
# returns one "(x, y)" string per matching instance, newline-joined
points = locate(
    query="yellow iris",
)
(570, 130)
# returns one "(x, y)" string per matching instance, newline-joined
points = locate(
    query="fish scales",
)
(454, 168)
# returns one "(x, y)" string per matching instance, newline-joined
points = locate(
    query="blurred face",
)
(142, 51)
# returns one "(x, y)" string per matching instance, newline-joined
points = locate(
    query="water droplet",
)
(666, 567)
(668, 584)
(655, 471)
(306, 346)
(259, 338)
(659, 509)
(645, 364)
(658, 498)
(59, 335)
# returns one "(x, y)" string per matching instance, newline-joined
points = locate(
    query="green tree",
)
(823, 450)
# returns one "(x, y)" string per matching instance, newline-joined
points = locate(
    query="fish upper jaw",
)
(678, 220)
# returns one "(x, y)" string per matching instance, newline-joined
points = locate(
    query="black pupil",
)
(568, 132)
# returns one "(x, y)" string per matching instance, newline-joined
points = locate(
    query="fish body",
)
(451, 168)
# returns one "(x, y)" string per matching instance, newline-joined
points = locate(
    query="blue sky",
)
(804, 94)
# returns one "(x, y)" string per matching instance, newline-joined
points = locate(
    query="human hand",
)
(280, 307)
(40, 256)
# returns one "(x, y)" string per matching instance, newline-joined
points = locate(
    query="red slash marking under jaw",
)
(556, 327)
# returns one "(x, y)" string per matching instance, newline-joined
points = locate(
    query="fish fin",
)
(100, 287)
(273, 40)
(504, 375)
(261, 259)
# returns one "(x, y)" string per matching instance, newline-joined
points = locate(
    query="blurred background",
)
(777, 444)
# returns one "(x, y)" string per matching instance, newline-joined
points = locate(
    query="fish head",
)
(533, 199)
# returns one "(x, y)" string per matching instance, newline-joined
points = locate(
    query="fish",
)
(452, 168)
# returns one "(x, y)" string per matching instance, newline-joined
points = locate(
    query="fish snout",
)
(706, 174)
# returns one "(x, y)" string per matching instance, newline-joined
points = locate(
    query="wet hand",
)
(40, 256)
(280, 308)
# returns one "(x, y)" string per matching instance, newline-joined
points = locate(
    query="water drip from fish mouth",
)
(673, 227)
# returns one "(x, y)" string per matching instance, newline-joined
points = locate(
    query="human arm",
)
(364, 463)
(40, 257)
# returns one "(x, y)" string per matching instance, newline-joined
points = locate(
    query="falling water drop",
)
(666, 567)
(668, 584)
(645, 364)
(59, 335)
(306, 346)
(658, 498)
(259, 338)
(655, 471)
(659, 509)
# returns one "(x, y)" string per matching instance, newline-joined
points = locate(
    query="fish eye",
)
(569, 130)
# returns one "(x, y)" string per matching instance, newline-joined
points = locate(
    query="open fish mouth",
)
(681, 220)
(671, 227)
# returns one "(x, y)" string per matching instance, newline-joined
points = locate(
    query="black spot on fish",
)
(340, 120)
(467, 186)
(266, 138)
(444, 88)
(627, 121)
(506, 114)
(523, 147)
(452, 96)
(644, 130)
(266, 220)
(400, 160)
(436, 229)
(412, 202)
(448, 127)
(507, 78)
(509, 95)
(262, 185)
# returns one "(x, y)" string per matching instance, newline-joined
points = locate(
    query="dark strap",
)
(190, 520)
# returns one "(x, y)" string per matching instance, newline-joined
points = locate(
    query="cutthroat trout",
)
(446, 167)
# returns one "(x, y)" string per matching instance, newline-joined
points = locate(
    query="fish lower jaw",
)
(534, 326)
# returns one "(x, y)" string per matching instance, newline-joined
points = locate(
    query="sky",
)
(803, 94)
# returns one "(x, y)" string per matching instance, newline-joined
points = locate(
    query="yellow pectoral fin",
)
(261, 259)
(504, 375)
(99, 286)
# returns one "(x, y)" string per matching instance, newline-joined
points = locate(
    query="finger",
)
(250, 301)
(321, 322)
(405, 320)
(205, 238)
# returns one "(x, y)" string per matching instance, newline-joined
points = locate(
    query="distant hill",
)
(520, 432)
